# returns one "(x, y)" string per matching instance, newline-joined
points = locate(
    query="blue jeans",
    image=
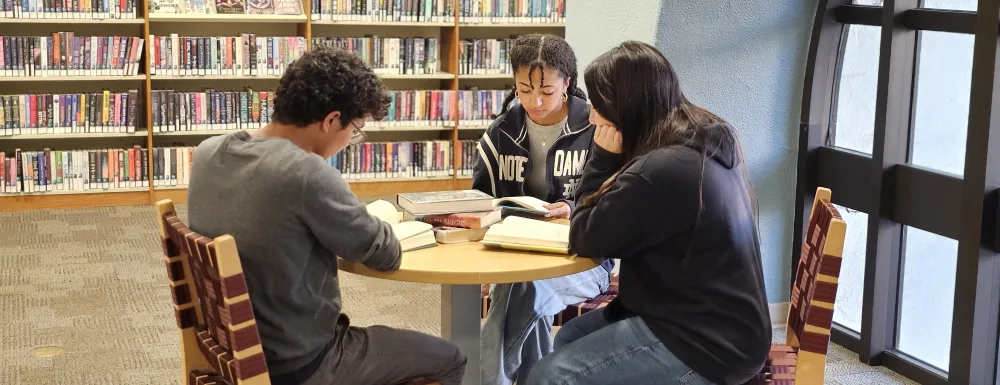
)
(518, 327)
(589, 350)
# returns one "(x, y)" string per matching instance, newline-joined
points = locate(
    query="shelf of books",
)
(104, 100)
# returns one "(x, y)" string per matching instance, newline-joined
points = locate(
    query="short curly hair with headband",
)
(329, 79)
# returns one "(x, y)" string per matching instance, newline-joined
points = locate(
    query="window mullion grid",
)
(883, 257)
(977, 277)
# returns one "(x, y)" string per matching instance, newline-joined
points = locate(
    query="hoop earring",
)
(565, 97)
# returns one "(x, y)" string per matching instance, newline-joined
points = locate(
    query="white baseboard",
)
(779, 314)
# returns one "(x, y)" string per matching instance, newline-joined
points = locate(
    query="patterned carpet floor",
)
(91, 283)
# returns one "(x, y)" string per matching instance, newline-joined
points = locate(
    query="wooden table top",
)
(473, 263)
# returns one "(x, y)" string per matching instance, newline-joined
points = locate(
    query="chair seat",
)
(779, 369)
(571, 311)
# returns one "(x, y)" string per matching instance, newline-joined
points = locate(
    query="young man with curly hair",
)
(292, 215)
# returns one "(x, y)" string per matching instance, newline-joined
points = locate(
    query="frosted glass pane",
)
(928, 294)
(855, 113)
(964, 5)
(851, 284)
(944, 75)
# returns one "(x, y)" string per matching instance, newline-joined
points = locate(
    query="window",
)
(858, 83)
(928, 290)
(851, 284)
(867, 2)
(960, 5)
(941, 116)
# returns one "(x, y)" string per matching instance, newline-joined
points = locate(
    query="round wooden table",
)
(461, 269)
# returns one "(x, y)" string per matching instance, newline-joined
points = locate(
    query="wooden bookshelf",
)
(72, 21)
(513, 25)
(364, 23)
(62, 79)
(361, 188)
(216, 18)
(485, 76)
(76, 136)
(85, 198)
(450, 35)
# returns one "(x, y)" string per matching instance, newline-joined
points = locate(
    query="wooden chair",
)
(218, 332)
(571, 311)
(802, 358)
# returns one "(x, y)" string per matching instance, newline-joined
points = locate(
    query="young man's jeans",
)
(589, 350)
(518, 327)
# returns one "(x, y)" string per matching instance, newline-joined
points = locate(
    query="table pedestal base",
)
(460, 323)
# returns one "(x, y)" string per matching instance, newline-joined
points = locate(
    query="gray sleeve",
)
(343, 225)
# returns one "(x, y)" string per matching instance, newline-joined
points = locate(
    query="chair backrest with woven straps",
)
(810, 315)
(218, 332)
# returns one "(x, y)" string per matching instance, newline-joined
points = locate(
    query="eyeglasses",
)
(358, 136)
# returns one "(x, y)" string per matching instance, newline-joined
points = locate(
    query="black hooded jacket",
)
(700, 289)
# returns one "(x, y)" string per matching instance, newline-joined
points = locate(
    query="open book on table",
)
(519, 233)
(521, 206)
(412, 235)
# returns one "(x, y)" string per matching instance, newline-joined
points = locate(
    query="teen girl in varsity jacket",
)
(505, 161)
(537, 148)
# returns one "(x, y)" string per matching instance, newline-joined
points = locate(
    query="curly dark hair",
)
(543, 51)
(328, 79)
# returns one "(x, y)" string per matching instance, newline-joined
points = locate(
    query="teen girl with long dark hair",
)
(666, 191)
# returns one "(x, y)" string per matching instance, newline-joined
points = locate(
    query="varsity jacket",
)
(504, 161)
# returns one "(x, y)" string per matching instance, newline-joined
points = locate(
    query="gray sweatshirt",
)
(291, 214)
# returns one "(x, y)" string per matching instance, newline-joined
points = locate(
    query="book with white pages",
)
(521, 205)
(412, 235)
(520, 233)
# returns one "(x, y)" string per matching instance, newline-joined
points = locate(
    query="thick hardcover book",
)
(445, 202)
(475, 220)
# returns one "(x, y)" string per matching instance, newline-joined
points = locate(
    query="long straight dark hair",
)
(634, 86)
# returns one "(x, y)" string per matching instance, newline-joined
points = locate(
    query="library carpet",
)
(84, 300)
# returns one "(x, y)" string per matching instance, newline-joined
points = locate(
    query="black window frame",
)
(895, 193)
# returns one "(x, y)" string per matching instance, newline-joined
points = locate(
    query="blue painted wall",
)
(742, 59)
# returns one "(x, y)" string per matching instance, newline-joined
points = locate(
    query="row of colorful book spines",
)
(52, 170)
(237, 110)
(389, 52)
(226, 52)
(65, 53)
(93, 14)
(49, 170)
(424, 8)
(388, 10)
(403, 104)
(374, 45)
(115, 111)
(96, 129)
(211, 121)
(65, 8)
(392, 157)
(527, 8)
(119, 109)
(407, 105)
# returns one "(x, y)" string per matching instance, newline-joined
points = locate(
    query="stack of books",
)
(473, 216)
